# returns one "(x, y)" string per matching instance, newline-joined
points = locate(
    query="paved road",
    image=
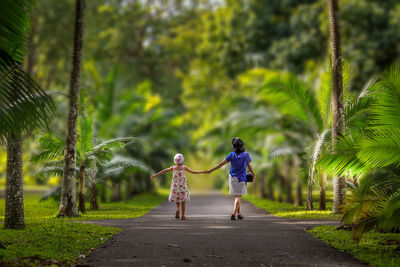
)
(210, 238)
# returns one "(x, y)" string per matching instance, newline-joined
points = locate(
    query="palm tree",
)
(311, 108)
(92, 159)
(99, 168)
(14, 213)
(371, 152)
(68, 197)
(337, 97)
(24, 105)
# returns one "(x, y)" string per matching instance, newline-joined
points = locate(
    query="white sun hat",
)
(178, 159)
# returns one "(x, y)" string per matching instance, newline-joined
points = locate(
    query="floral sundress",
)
(179, 190)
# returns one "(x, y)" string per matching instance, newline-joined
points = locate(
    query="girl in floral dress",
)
(179, 191)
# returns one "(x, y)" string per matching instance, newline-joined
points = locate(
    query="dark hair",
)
(237, 145)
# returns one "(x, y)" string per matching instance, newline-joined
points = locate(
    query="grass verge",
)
(47, 210)
(53, 242)
(50, 240)
(376, 249)
(286, 210)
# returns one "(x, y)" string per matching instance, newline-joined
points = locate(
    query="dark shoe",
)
(177, 215)
(240, 217)
(233, 218)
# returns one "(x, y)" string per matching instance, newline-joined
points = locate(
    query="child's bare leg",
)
(177, 210)
(183, 210)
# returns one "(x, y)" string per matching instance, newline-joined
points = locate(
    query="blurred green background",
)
(185, 76)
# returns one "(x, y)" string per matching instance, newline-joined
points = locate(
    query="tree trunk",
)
(337, 97)
(115, 192)
(270, 191)
(68, 195)
(262, 185)
(288, 181)
(149, 186)
(281, 180)
(14, 212)
(129, 186)
(82, 189)
(299, 193)
(93, 198)
(322, 198)
(103, 193)
(288, 189)
(309, 201)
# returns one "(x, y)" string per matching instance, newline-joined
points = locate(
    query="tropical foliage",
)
(370, 154)
(24, 105)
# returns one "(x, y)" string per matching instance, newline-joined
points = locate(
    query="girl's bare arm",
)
(161, 172)
(192, 171)
(222, 163)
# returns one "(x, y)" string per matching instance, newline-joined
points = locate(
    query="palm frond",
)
(114, 143)
(51, 171)
(284, 151)
(23, 105)
(54, 193)
(52, 148)
(298, 99)
(324, 96)
(387, 106)
(316, 151)
(388, 219)
(346, 75)
(358, 113)
(373, 203)
(381, 148)
(345, 161)
(13, 31)
(128, 163)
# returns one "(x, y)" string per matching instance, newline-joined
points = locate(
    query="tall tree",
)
(68, 195)
(14, 213)
(337, 97)
(24, 104)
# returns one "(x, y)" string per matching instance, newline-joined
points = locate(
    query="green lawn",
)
(49, 240)
(289, 211)
(376, 249)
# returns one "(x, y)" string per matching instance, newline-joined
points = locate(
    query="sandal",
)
(240, 217)
(183, 217)
(233, 218)
(177, 215)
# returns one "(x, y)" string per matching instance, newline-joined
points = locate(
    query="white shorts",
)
(237, 188)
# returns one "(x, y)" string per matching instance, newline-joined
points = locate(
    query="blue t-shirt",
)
(238, 165)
